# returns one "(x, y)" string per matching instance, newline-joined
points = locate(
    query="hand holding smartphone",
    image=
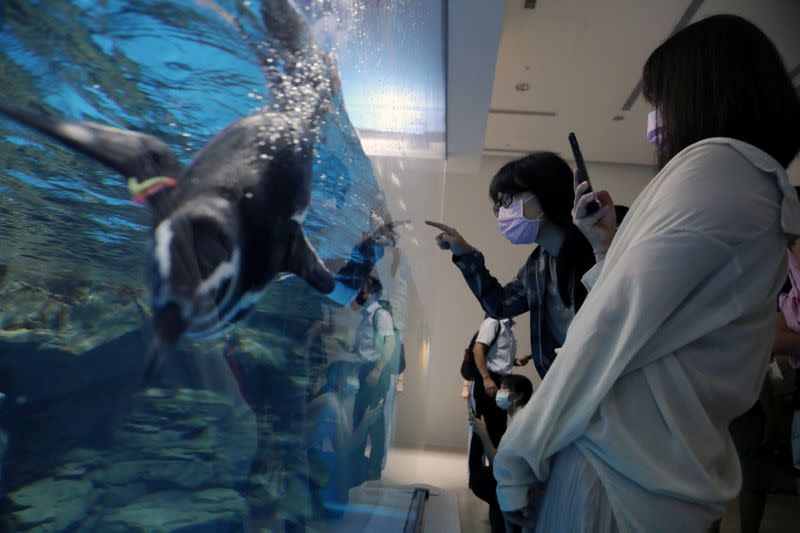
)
(582, 174)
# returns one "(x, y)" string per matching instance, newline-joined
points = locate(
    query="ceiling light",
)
(522, 87)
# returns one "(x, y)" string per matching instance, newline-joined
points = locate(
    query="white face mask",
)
(502, 400)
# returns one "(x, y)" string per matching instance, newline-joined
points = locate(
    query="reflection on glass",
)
(270, 401)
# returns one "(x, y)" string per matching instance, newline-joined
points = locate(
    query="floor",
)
(447, 471)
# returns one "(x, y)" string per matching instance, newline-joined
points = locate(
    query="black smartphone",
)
(582, 175)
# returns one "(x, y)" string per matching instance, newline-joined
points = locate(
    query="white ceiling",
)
(583, 59)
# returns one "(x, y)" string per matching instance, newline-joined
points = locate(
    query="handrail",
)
(416, 511)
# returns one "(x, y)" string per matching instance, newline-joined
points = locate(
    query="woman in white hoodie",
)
(629, 429)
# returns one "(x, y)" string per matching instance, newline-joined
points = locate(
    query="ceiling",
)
(583, 61)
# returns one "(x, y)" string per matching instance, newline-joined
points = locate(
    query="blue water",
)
(220, 445)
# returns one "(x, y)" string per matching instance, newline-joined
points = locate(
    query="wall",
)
(431, 411)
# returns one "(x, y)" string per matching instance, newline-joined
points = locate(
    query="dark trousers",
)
(481, 478)
(484, 486)
(496, 419)
(369, 396)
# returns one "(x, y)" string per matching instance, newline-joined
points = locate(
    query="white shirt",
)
(670, 345)
(500, 357)
(374, 319)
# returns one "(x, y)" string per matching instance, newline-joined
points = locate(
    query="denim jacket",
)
(526, 292)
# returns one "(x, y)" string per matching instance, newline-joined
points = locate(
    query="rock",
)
(163, 473)
(76, 317)
(52, 505)
(71, 471)
(120, 472)
(87, 457)
(208, 511)
(121, 495)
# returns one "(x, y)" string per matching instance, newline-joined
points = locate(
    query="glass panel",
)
(172, 356)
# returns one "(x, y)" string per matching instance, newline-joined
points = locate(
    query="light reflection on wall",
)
(424, 355)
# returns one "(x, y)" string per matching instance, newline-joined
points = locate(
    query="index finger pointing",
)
(438, 225)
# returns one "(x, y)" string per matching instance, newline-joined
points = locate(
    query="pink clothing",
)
(790, 303)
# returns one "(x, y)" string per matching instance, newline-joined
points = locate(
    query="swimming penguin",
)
(228, 222)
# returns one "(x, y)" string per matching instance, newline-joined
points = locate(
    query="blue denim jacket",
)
(526, 292)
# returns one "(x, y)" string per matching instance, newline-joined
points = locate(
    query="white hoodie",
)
(671, 344)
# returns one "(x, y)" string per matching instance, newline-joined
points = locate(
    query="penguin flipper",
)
(302, 260)
(132, 154)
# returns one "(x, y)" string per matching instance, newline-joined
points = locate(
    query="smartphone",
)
(582, 174)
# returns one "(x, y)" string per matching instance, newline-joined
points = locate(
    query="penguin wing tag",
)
(301, 259)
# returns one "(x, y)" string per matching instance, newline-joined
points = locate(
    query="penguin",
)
(226, 224)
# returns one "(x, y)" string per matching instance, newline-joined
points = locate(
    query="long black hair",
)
(549, 177)
(723, 77)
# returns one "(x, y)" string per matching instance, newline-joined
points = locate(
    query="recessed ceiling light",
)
(522, 87)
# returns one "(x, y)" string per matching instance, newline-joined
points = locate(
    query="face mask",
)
(502, 400)
(654, 128)
(515, 227)
(353, 386)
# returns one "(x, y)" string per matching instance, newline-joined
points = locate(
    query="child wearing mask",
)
(513, 394)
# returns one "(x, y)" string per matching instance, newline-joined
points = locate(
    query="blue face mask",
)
(502, 400)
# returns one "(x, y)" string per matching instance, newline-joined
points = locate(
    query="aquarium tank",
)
(209, 272)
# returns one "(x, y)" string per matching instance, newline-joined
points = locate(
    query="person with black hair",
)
(513, 394)
(494, 350)
(532, 200)
(375, 349)
(629, 429)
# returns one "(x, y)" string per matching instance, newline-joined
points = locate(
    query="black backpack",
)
(469, 370)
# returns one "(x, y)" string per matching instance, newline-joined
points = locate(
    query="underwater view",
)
(207, 301)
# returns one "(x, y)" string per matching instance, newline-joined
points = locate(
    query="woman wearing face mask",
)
(334, 443)
(533, 200)
(514, 393)
(629, 430)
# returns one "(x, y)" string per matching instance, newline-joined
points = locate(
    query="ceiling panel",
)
(582, 59)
